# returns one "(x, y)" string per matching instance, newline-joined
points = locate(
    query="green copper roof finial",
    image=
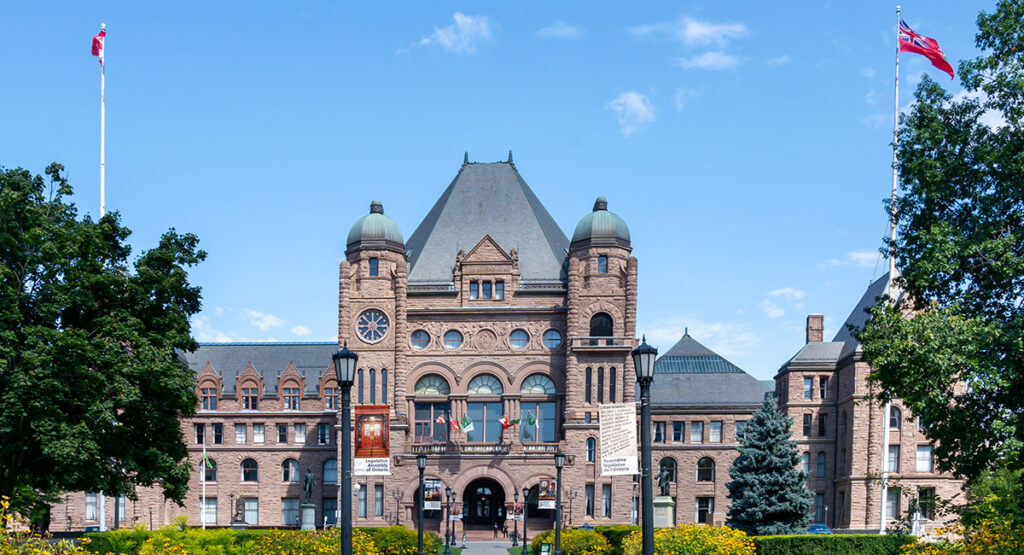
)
(465, 158)
(510, 157)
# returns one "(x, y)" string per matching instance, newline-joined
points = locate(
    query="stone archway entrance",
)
(483, 504)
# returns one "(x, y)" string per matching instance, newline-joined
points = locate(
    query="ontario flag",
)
(97, 44)
(506, 423)
(910, 41)
(455, 424)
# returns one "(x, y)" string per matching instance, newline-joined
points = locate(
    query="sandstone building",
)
(489, 310)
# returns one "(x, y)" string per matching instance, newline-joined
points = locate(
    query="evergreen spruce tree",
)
(768, 490)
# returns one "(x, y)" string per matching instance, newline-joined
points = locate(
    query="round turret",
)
(601, 227)
(375, 230)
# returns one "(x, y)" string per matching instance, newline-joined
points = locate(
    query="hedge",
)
(822, 544)
(616, 534)
(574, 542)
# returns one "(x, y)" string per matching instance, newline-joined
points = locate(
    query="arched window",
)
(209, 470)
(290, 470)
(250, 471)
(895, 418)
(668, 464)
(383, 387)
(373, 386)
(601, 325)
(591, 449)
(359, 386)
(706, 470)
(611, 385)
(821, 464)
(587, 381)
(331, 471)
(805, 463)
(600, 384)
(485, 384)
(538, 384)
(432, 385)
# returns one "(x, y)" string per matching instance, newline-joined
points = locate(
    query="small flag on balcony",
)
(467, 424)
(440, 419)
(455, 425)
(531, 419)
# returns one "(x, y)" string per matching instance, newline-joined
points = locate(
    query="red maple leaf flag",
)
(97, 44)
(910, 41)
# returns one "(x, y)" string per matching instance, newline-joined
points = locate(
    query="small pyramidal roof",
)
(487, 199)
(689, 356)
(858, 318)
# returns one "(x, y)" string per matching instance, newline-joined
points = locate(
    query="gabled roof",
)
(269, 359)
(487, 199)
(859, 316)
(690, 374)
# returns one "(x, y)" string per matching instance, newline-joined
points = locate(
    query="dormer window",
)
(602, 264)
(374, 267)
(499, 290)
(208, 397)
(474, 290)
(249, 398)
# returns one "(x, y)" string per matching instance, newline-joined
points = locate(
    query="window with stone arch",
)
(668, 464)
(290, 393)
(208, 394)
(430, 418)
(290, 470)
(706, 470)
(250, 395)
(485, 384)
(209, 470)
(432, 384)
(895, 418)
(250, 471)
(537, 384)
(591, 449)
(601, 325)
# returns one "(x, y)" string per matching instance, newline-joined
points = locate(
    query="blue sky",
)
(746, 144)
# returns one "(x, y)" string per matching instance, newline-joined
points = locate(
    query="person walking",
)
(495, 529)
(504, 531)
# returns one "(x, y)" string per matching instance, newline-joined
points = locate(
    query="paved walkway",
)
(487, 548)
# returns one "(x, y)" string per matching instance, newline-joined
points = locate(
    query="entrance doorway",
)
(484, 503)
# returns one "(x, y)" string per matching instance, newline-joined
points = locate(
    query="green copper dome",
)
(375, 227)
(601, 224)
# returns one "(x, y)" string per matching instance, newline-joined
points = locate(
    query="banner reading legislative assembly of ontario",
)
(372, 446)
(618, 439)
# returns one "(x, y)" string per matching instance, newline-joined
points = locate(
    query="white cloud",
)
(871, 97)
(692, 32)
(560, 30)
(991, 118)
(868, 72)
(859, 259)
(790, 294)
(713, 60)
(262, 321)
(204, 332)
(301, 331)
(682, 96)
(461, 36)
(633, 111)
(778, 60)
(771, 309)
(728, 339)
(773, 304)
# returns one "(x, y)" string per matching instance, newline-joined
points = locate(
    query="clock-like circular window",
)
(372, 325)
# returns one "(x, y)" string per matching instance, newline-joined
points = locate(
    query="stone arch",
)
(618, 320)
(556, 373)
(486, 367)
(431, 367)
(467, 476)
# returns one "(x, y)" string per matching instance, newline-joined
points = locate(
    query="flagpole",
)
(892, 272)
(103, 126)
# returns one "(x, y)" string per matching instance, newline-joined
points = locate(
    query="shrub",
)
(15, 541)
(399, 540)
(616, 534)
(574, 542)
(815, 544)
(693, 539)
(172, 540)
(983, 539)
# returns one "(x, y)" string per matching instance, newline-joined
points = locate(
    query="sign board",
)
(545, 548)
(514, 511)
(455, 516)
(432, 495)
(546, 493)
(618, 439)
(372, 453)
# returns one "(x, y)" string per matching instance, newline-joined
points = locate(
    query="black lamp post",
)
(345, 371)
(526, 504)
(456, 505)
(571, 494)
(421, 464)
(515, 523)
(643, 364)
(396, 494)
(447, 520)
(559, 463)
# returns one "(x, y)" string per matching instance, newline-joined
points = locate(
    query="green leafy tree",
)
(953, 348)
(768, 491)
(91, 388)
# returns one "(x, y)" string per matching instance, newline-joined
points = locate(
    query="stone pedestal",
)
(240, 525)
(664, 512)
(308, 519)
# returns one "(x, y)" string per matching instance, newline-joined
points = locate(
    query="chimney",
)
(815, 328)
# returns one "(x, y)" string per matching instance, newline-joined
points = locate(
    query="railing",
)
(601, 343)
(456, 448)
(540, 448)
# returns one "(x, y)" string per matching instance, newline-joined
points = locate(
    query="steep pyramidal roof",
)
(487, 199)
(859, 316)
(690, 374)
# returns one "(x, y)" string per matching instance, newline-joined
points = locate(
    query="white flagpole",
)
(892, 273)
(103, 125)
(202, 505)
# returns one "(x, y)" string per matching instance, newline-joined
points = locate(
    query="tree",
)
(91, 388)
(769, 494)
(952, 349)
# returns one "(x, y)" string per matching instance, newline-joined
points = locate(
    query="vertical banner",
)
(372, 456)
(618, 439)
(546, 493)
(431, 495)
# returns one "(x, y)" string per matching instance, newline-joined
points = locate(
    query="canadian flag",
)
(97, 44)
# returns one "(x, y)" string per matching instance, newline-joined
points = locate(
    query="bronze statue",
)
(664, 479)
(308, 484)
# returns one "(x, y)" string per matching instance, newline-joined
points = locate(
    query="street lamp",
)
(421, 463)
(526, 504)
(643, 364)
(454, 495)
(345, 371)
(559, 463)
(571, 494)
(396, 494)
(515, 523)
(447, 521)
